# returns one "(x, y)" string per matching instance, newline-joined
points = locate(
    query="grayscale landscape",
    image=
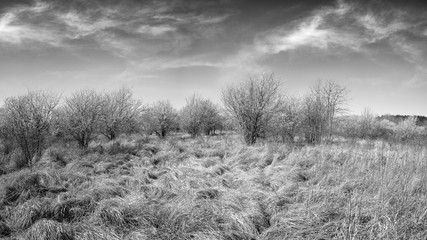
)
(213, 120)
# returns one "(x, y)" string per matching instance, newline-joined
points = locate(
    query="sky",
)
(170, 49)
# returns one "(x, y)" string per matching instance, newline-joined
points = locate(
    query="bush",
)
(407, 130)
(119, 113)
(253, 103)
(80, 117)
(160, 118)
(367, 126)
(200, 116)
(29, 120)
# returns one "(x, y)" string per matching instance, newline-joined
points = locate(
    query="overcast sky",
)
(171, 49)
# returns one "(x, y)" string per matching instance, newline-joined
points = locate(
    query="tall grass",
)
(217, 188)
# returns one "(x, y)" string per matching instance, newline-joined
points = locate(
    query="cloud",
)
(307, 33)
(342, 28)
(155, 30)
(377, 29)
(312, 32)
(123, 27)
(158, 35)
(13, 30)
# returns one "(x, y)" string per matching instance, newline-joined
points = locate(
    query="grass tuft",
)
(50, 230)
(23, 216)
(74, 209)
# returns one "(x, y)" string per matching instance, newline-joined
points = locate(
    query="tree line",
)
(257, 107)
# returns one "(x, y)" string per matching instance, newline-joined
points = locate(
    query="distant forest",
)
(420, 120)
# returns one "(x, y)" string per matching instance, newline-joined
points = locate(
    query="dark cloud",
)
(5, 4)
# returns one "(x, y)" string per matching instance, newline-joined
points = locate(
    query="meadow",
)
(217, 187)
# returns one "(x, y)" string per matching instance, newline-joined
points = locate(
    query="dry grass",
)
(50, 230)
(217, 188)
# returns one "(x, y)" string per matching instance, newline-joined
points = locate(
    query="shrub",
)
(383, 129)
(80, 116)
(200, 116)
(407, 130)
(160, 118)
(253, 103)
(29, 120)
(119, 113)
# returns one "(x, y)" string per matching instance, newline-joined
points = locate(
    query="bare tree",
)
(81, 115)
(200, 115)
(314, 119)
(119, 112)
(212, 120)
(335, 100)
(253, 103)
(29, 119)
(164, 118)
(324, 102)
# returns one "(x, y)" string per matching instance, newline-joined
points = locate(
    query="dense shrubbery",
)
(367, 126)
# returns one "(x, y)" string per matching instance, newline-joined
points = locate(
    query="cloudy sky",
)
(172, 48)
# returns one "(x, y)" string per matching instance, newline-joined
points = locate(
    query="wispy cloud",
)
(346, 26)
(120, 28)
(13, 30)
(312, 31)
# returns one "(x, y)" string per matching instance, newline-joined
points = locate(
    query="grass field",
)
(218, 188)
